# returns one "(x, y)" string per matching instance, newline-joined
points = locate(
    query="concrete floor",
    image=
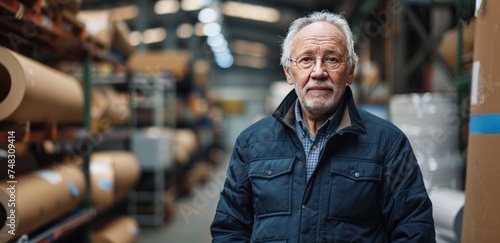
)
(193, 214)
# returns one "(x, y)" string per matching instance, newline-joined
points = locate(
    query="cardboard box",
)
(482, 207)
(485, 86)
(153, 62)
(482, 200)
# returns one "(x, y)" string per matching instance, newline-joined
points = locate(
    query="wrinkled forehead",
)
(320, 37)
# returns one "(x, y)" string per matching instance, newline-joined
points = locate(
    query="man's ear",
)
(350, 78)
(288, 75)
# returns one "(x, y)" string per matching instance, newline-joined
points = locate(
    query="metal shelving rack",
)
(155, 93)
(67, 45)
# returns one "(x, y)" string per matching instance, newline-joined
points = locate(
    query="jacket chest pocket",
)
(271, 186)
(353, 191)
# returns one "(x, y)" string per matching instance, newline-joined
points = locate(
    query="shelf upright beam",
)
(87, 126)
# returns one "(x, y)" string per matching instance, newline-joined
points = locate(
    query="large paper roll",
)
(117, 111)
(123, 229)
(102, 184)
(100, 104)
(125, 166)
(39, 197)
(31, 91)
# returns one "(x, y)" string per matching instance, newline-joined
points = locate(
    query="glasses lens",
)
(331, 62)
(305, 62)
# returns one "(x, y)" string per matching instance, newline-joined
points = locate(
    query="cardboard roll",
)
(185, 144)
(31, 91)
(38, 198)
(124, 166)
(449, 41)
(122, 229)
(117, 109)
(119, 39)
(102, 184)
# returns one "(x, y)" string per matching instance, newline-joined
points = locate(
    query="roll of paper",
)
(117, 111)
(123, 229)
(125, 167)
(31, 91)
(36, 198)
(102, 184)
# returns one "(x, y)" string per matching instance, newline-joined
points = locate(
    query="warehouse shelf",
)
(66, 226)
(71, 42)
(41, 37)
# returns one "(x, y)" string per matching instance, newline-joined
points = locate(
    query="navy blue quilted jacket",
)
(367, 186)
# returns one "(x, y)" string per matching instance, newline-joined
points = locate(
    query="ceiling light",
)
(226, 62)
(215, 40)
(220, 48)
(192, 5)
(211, 29)
(184, 31)
(250, 11)
(207, 15)
(167, 7)
(154, 35)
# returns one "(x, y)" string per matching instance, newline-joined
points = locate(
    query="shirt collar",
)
(331, 123)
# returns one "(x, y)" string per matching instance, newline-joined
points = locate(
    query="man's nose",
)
(318, 67)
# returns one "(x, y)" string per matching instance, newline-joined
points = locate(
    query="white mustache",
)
(323, 86)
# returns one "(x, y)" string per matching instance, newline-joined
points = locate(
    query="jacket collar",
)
(351, 120)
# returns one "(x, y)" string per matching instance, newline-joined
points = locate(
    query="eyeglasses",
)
(330, 62)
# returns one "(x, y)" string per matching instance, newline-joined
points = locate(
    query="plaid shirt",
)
(314, 145)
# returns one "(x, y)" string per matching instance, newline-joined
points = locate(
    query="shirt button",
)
(314, 147)
(304, 206)
(356, 174)
(269, 172)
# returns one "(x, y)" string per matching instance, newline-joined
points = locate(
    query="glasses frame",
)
(342, 61)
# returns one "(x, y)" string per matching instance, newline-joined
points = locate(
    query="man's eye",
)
(306, 59)
(332, 59)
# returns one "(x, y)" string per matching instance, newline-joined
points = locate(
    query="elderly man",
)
(319, 169)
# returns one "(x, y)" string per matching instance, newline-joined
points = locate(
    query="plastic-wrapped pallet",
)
(431, 122)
